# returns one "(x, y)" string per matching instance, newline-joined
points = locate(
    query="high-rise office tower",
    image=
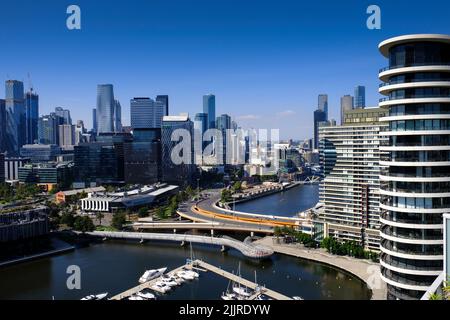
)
(201, 123)
(2, 126)
(416, 183)
(346, 105)
(64, 114)
(94, 120)
(66, 135)
(350, 156)
(105, 108)
(319, 116)
(2, 167)
(360, 97)
(117, 116)
(80, 130)
(32, 116)
(173, 172)
(322, 104)
(209, 107)
(48, 131)
(15, 129)
(146, 113)
(164, 99)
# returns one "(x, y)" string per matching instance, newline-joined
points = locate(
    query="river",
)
(286, 203)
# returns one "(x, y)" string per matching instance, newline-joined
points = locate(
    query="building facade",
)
(32, 116)
(15, 130)
(105, 108)
(360, 97)
(173, 172)
(48, 129)
(2, 126)
(416, 183)
(146, 113)
(322, 104)
(40, 152)
(346, 105)
(209, 108)
(350, 157)
(12, 166)
(164, 99)
(319, 117)
(66, 135)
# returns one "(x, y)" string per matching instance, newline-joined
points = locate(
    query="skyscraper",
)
(2, 126)
(322, 104)
(319, 116)
(164, 99)
(173, 172)
(48, 131)
(146, 113)
(209, 107)
(64, 114)
(15, 117)
(94, 120)
(66, 135)
(350, 156)
(105, 108)
(32, 116)
(117, 117)
(200, 126)
(360, 97)
(346, 105)
(415, 186)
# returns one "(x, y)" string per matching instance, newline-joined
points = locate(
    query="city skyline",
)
(195, 61)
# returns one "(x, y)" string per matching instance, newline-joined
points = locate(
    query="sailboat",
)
(227, 295)
(242, 292)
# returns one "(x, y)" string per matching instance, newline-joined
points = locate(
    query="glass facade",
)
(416, 184)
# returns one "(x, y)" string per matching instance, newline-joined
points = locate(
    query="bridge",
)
(247, 248)
(146, 224)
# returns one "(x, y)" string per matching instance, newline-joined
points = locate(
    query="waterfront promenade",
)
(367, 271)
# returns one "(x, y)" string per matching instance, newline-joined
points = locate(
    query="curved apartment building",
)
(415, 181)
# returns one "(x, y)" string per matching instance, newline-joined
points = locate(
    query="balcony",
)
(413, 65)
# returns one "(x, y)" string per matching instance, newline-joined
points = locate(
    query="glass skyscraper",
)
(32, 116)
(64, 114)
(117, 117)
(105, 108)
(164, 99)
(322, 104)
(415, 185)
(319, 116)
(15, 130)
(2, 126)
(146, 113)
(346, 105)
(209, 107)
(360, 97)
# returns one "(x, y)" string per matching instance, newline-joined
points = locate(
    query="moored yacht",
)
(100, 296)
(151, 274)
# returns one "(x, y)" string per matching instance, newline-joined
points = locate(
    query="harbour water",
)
(286, 203)
(115, 266)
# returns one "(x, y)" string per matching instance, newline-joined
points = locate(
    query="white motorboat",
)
(146, 295)
(160, 286)
(133, 297)
(185, 275)
(151, 274)
(195, 274)
(169, 281)
(100, 296)
(228, 296)
(297, 298)
(241, 291)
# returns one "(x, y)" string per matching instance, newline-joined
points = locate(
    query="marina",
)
(200, 265)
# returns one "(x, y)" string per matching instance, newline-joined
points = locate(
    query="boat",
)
(151, 274)
(193, 273)
(262, 297)
(169, 281)
(185, 275)
(297, 298)
(160, 286)
(135, 297)
(146, 295)
(228, 296)
(241, 291)
(100, 296)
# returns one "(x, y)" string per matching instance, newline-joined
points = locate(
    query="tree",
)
(68, 219)
(160, 213)
(99, 217)
(237, 186)
(143, 212)
(83, 224)
(118, 220)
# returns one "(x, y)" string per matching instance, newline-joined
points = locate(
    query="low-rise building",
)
(47, 175)
(23, 223)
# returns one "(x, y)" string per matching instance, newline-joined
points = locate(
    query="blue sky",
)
(266, 61)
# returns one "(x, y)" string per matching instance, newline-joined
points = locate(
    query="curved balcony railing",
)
(431, 64)
(411, 235)
(416, 96)
(393, 82)
(403, 280)
(429, 221)
(435, 250)
(394, 263)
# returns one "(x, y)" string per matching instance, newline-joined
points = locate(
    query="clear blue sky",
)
(266, 61)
